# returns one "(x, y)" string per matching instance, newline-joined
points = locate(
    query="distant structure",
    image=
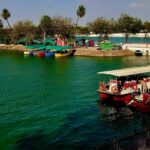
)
(143, 48)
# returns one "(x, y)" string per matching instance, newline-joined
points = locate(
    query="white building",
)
(144, 48)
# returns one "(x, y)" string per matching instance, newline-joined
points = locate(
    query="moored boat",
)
(31, 53)
(128, 81)
(26, 52)
(41, 54)
(49, 54)
(49, 51)
(65, 53)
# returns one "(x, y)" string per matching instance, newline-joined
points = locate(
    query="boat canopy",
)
(43, 47)
(58, 48)
(127, 71)
(36, 47)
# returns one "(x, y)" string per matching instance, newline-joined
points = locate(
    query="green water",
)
(53, 103)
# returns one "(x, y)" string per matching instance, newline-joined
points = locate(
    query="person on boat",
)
(59, 41)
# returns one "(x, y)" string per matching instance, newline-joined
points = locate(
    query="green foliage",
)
(125, 23)
(1, 24)
(24, 29)
(46, 25)
(82, 30)
(5, 15)
(63, 26)
(1, 31)
(128, 24)
(101, 26)
(146, 26)
(114, 26)
(5, 36)
(81, 11)
(136, 26)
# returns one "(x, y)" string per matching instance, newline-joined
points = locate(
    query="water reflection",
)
(124, 116)
(118, 114)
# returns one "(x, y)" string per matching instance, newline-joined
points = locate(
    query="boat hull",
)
(115, 98)
(140, 106)
(49, 54)
(124, 99)
(59, 55)
(41, 54)
(105, 97)
(31, 53)
(26, 52)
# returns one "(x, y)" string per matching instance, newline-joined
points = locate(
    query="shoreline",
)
(12, 47)
(93, 52)
(84, 51)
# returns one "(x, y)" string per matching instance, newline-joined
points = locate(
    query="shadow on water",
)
(83, 131)
(69, 136)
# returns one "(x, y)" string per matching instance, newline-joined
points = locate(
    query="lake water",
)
(53, 103)
(118, 40)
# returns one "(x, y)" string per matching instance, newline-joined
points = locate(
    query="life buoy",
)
(114, 89)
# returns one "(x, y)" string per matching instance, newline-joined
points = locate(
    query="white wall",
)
(144, 47)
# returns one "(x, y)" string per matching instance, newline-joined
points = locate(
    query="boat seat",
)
(127, 84)
(139, 98)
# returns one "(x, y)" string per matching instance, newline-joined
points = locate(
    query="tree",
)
(81, 11)
(82, 30)
(128, 25)
(63, 26)
(114, 26)
(5, 15)
(1, 24)
(24, 29)
(146, 28)
(5, 35)
(1, 27)
(100, 26)
(46, 25)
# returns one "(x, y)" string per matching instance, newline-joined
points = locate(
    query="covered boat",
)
(63, 51)
(127, 82)
(33, 50)
(49, 53)
(42, 50)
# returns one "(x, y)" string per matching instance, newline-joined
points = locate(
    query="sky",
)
(34, 9)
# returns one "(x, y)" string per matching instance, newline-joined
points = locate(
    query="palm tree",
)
(81, 11)
(5, 15)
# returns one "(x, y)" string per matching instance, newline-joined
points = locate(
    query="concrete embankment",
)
(91, 51)
(12, 47)
(94, 52)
